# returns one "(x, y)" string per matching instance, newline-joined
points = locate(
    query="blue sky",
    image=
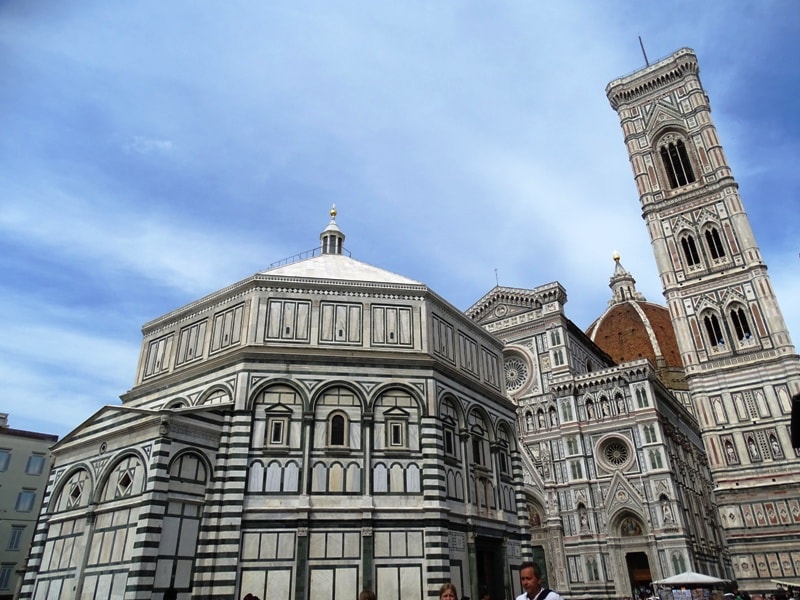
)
(152, 152)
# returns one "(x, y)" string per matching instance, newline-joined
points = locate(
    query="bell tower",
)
(740, 363)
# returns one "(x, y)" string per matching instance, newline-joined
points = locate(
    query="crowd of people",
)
(530, 575)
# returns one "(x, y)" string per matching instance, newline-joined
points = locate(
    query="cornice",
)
(652, 79)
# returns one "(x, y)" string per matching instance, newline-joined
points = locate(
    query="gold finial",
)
(616, 256)
(333, 212)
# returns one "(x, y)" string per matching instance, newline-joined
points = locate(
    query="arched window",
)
(690, 251)
(676, 164)
(740, 325)
(713, 330)
(641, 398)
(337, 430)
(714, 243)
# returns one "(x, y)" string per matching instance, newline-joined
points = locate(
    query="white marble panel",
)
(250, 544)
(254, 582)
(285, 546)
(380, 479)
(316, 545)
(414, 541)
(279, 585)
(399, 548)
(381, 540)
(334, 549)
(291, 477)
(163, 572)
(321, 585)
(412, 479)
(346, 582)
(352, 545)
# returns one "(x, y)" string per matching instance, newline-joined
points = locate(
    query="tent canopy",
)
(690, 578)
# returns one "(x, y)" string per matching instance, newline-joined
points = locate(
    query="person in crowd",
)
(530, 576)
(448, 592)
(366, 595)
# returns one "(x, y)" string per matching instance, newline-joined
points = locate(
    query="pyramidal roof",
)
(337, 266)
(329, 262)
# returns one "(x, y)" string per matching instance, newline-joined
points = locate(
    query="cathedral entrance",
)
(639, 574)
(491, 566)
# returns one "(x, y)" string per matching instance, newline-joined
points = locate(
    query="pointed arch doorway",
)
(639, 574)
(632, 550)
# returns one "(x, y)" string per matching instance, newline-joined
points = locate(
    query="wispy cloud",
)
(154, 152)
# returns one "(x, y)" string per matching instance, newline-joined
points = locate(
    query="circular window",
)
(615, 453)
(516, 373)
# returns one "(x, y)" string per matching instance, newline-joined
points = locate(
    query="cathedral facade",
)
(325, 426)
(619, 489)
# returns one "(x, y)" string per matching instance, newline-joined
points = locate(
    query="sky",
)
(153, 152)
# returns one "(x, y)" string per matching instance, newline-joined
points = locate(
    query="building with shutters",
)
(24, 467)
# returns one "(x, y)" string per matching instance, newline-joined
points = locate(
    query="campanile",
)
(741, 366)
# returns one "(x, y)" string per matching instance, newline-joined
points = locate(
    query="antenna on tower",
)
(641, 45)
(496, 278)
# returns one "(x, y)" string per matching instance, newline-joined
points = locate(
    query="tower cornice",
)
(651, 80)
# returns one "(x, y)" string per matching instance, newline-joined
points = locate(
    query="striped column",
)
(219, 540)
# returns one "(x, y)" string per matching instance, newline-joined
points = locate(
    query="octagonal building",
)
(317, 428)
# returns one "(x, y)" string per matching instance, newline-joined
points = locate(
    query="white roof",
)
(338, 267)
(690, 578)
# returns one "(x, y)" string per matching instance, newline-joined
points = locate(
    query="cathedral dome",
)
(632, 328)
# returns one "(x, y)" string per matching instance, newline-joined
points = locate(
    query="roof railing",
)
(302, 256)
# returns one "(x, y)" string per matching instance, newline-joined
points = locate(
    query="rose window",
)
(616, 453)
(516, 373)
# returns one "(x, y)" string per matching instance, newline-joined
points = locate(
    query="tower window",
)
(714, 243)
(558, 358)
(690, 251)
(739, 320)
(655, 460)
(713, 330)
(676, 164)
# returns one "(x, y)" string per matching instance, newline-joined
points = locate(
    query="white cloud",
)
(154, 152)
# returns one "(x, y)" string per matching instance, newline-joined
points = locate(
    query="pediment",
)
(274, 409)
(663, 114)
(396, 412)
(503, 303)
(622, 495)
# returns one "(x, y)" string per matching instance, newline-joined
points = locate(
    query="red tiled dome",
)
(636, 329)
(632, 328)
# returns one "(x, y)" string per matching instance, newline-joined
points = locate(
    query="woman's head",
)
(448, 592)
